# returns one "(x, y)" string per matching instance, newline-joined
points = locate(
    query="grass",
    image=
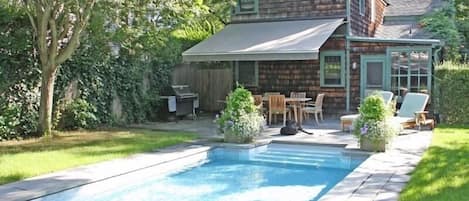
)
(28, 158)
(443, 173)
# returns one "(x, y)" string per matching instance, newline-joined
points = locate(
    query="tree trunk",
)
(47, 97)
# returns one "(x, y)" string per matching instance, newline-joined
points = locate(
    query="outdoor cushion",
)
(413, 102)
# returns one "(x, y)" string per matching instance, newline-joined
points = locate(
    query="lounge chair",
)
(347, 120)
(413, 104)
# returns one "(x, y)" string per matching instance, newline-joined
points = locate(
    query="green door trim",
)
(364, 59)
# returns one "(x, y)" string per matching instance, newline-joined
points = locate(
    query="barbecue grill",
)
(180, 101)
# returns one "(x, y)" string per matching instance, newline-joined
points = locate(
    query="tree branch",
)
(78, 27)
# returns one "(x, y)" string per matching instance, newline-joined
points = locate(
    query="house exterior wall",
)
(293, 9)
(361, 25)
(357, 49)
(301, 76)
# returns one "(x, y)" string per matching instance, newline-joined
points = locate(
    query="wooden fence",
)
(212, 82)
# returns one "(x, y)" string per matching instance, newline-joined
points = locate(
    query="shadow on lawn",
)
(442, 175)
(100, 139)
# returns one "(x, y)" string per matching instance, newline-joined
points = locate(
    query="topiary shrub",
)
(77, 115)
(240, 121)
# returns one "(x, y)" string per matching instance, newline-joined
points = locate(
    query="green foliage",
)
(133, 72)
(373, 108)
(451, 92)
(240, 120)
(449, 24)
(19, 76)
(374, 121)
(78, 114)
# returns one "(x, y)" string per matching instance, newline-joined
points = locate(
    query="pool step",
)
(310, 157)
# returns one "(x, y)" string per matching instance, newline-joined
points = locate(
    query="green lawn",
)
(443, 173)
(28, 158)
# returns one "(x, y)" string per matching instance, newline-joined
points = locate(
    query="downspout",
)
(347, 56)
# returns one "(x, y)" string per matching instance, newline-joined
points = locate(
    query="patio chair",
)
(347, 120)
(259, 103)
(315, 108)
(412, 106)
(277, 105)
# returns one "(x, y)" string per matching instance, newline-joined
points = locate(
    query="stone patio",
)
(380, 178)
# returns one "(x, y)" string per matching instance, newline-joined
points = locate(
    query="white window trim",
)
(373, 10)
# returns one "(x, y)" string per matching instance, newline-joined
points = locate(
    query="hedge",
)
(451, 94)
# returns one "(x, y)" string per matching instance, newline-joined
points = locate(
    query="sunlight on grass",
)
(23, 159)
(443, 173)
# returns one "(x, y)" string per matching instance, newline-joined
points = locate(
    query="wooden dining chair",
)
(277, 105)
(258, 102)
(315, 108)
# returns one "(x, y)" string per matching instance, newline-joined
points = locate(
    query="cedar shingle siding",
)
(293, 9)
(362, 25)
(288, 76)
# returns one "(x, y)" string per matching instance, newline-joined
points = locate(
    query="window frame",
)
(362, 7)
(256, 74)
(238, 8)
(409, 75)
(324, 54)
(373, 11)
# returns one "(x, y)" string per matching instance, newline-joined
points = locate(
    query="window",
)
(247, 6)
(362, 6)
(332, 68)
(373, 10)
(247, 73)
(410, 71)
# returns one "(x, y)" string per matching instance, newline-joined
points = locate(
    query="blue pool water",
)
(273, 172)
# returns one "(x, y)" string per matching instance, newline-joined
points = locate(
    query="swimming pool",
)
(270, 172)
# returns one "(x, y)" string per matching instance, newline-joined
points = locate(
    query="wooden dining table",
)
(296, 103)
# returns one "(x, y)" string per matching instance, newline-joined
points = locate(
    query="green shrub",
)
(240, 120)
(78, 114)
(374, 108)
(451, 93)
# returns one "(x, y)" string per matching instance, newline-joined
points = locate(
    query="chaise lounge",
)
(347, 120)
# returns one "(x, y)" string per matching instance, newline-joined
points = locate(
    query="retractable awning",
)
(283, 40)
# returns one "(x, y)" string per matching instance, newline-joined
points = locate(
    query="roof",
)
(401, 19)
(282, 40)
(402, 29)
(411, 7)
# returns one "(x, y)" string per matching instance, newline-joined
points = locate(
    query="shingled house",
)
(338, 47)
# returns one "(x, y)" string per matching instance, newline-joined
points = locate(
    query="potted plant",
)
(374, 128)
(240, 121)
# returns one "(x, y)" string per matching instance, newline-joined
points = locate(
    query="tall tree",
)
(57, 25)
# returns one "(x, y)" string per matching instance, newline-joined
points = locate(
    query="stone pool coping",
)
(380, 178)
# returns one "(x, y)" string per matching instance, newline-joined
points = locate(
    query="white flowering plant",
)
(374, 123)
(240, 121)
